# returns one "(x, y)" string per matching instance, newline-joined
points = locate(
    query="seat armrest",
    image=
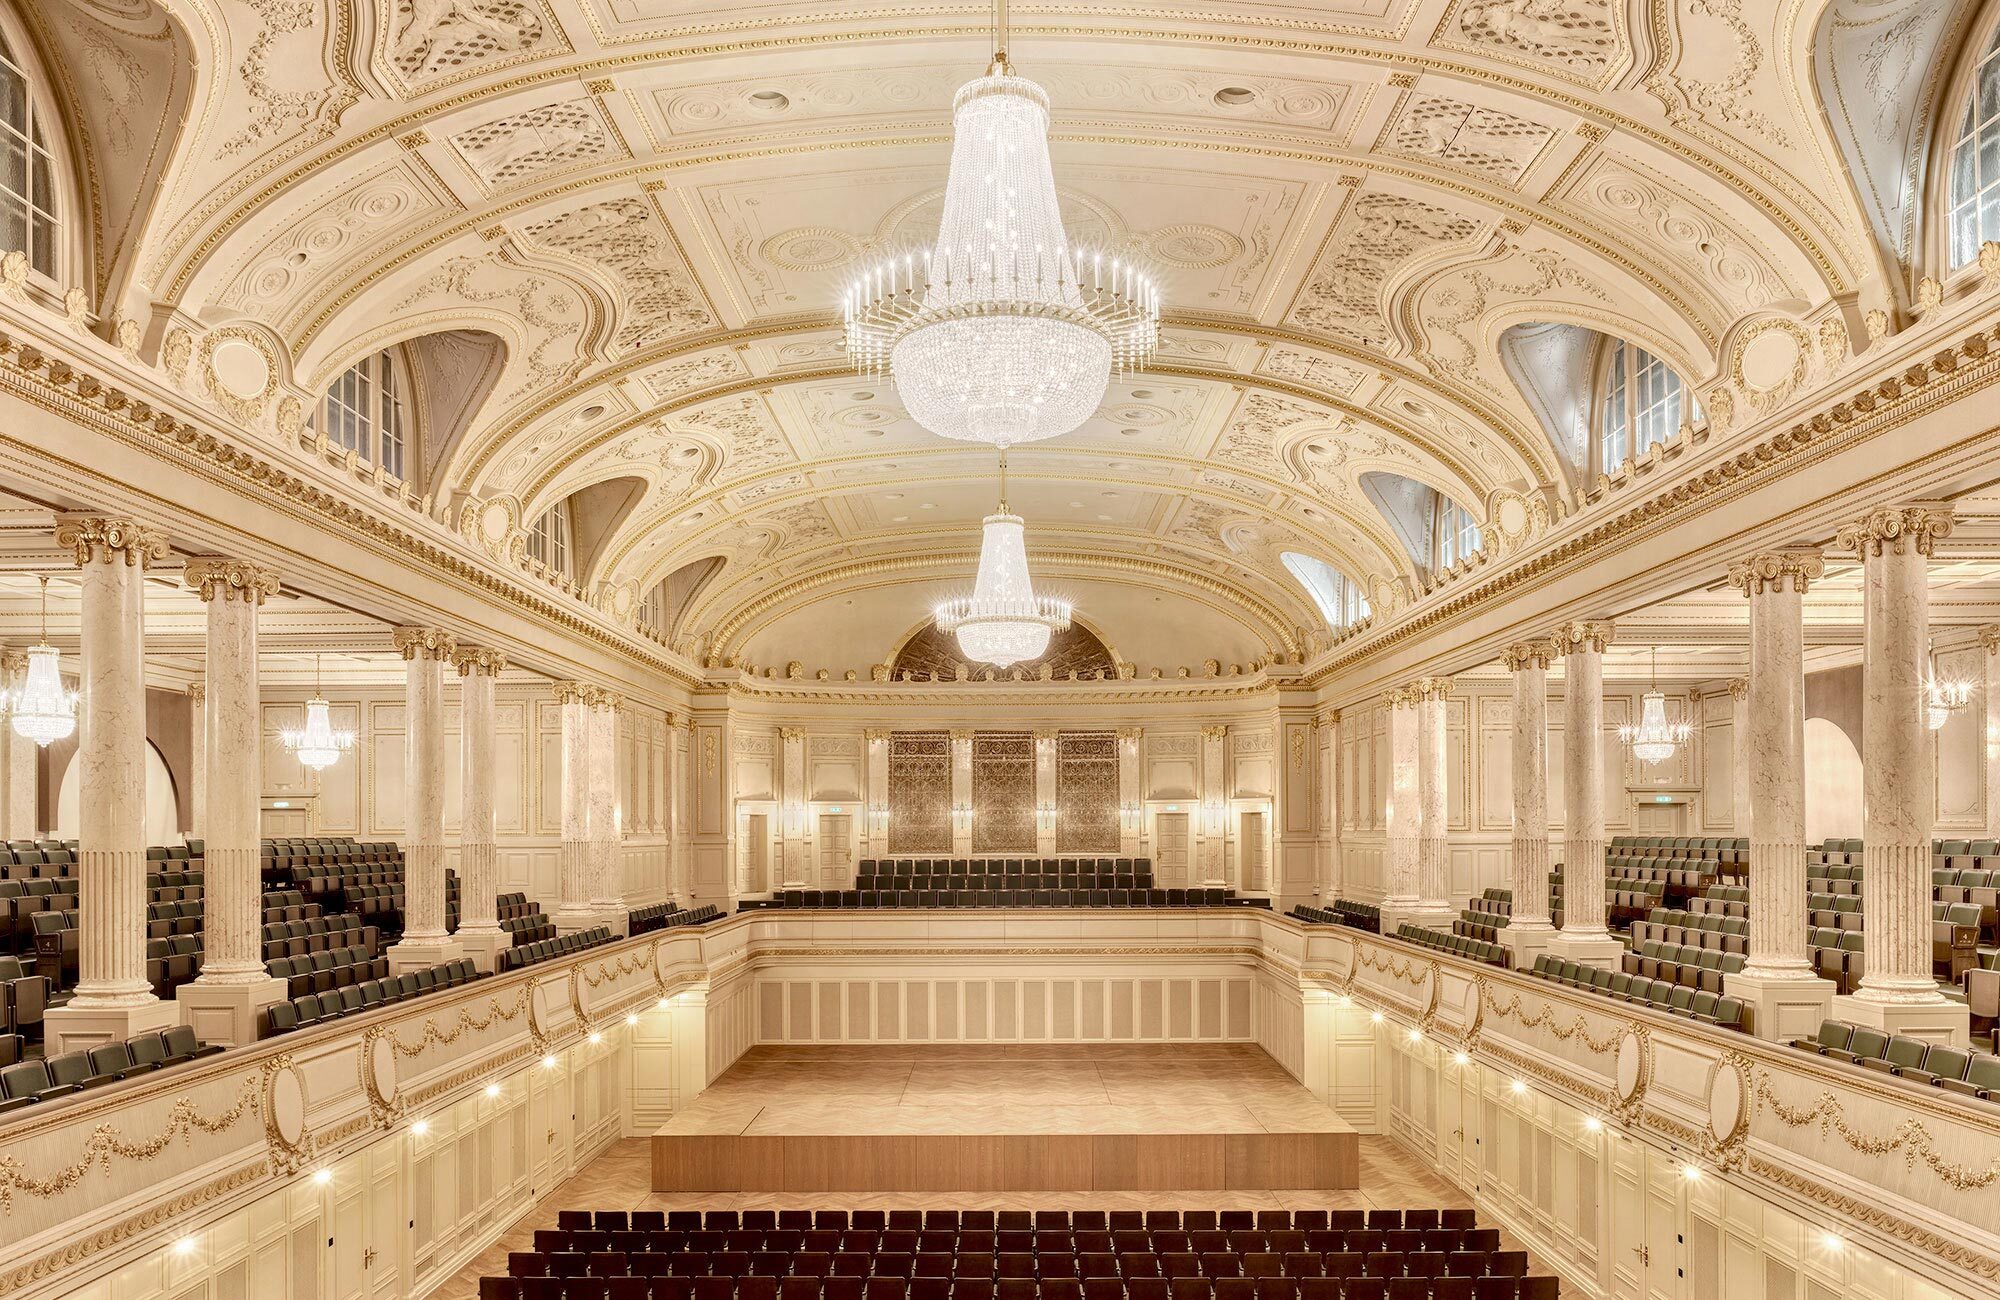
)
(1961, 1087)
(1921, 1076)
(1878, 1063)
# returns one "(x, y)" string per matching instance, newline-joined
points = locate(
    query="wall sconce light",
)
(1045, 816)
(1130, 812)
(961, 817)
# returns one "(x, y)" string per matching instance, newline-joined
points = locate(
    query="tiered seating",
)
(36, 1079)
(1725, 856)
(1363, 916)
(343, 875)
(1705, 1005)
(1838, 949)
(1018, 1255)
(1316, 915)
(1004, 882)
(665, 916)
(1458, 945)
(317, 1008)
(524, 920)
(1486, 916)
(1970, 1074)
(542, 950)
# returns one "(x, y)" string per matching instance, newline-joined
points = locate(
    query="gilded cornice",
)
(94, 538)
(1893, 528)
(1777, 570)
(213, 576)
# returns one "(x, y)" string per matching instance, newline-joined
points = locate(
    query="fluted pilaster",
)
(1582, 644)
(426, 937)
(1528, 868)
(478, 871)
(1405, 813)
(1433, 848)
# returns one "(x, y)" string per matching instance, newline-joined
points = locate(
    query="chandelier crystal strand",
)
(1002, 333)
(1655, 740)
(44, 709)
(317, 745)
(1943, 697)
(1003, 621)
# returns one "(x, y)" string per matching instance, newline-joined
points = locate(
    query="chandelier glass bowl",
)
(1003, 621)
(317, 745)
(44, 710)
(1002, 332)
(1655, 739)
(1942, 698)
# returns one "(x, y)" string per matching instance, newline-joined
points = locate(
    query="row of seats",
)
(886, 881)
(317, 934)
(1365, 1287)
(38, 1080)
(317, 1008)
(1458, 945)
(949, 1220)
(666, 916)
(1661, 995)
(328, 970)
(1693, 930)
(997, 866)
(1969, 1074)
(565, 945)
(1362, 916)
(933, 898)
(763, 1244)
(523, 920)
(1726, 849)
(1697, 968)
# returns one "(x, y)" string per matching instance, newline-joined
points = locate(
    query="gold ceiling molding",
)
(1882, 406)
(1006, 693)
(1749, 182)
(726, 630)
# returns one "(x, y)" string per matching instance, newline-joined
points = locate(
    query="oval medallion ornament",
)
(241, 369)
(285, 1094)
(1470, 1007)
(1726, 1096)
(1631, 1066)
(382, 1069)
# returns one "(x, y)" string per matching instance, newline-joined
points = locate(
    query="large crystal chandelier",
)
(1002, 332)
(1003, 621)
(1655, 739)
(1943, 697)
(317, 745)
(44, 709)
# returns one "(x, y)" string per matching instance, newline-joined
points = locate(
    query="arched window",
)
(1340, 598)
(653, 605)
(550, 542)
(1457, 533)
(30, 215)
(366, 412)
(1644, 403)
(1975, 162)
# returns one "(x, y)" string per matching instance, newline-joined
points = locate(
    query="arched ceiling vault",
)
(655, 205)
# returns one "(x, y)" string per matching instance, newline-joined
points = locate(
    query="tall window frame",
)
(32, 172)
(1341, 600)
(1640, 401)
(367, 410)
(1971, 157)
(1455, 533)
(552, 540)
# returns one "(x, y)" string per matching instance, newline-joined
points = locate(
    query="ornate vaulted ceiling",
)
(652, 205)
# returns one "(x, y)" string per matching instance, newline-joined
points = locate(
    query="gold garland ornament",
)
(1910, 1137)
(1578, 1027)
(105, 1145)
(466, 1020)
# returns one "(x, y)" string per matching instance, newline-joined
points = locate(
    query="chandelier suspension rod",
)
(1000, 32)
(1003, 480)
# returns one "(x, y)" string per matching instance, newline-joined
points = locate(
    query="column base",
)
(1526, 942)
(228, 1014)
(484, 947)
(1780, 1008)
(69, 1028)
(421, 954)
(1598, 949)
(1943, 1021)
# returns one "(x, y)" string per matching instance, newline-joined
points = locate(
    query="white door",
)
(836, 849)
(1256, 852)
(1645, 1224)
(1170, 842)
(756, 852)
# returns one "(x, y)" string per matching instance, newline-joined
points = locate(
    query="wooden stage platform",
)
(956, 1118)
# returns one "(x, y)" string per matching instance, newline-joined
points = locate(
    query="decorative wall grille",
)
(1087, 792)
(1003, 792)
(919, 792)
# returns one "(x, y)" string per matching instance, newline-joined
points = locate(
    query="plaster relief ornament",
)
(1003, 332)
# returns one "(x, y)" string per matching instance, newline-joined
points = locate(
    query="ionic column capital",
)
(1431, 688)
(1131, 735)
(96, 537)
(215, 576)
(1895, 527)
(1773, 570)
(1739, 688)
(1402, 697)
(1989, 636)
(479, 660)
(197, 693)
(792, 735)
(1583, 634)
(1527, 654)
(423, 643)
(875, 735)
(13, 663)
(598, 697)
(1215, 731)
(568, 692)
(961, 736)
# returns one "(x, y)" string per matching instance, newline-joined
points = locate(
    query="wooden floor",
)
(1005, 1118)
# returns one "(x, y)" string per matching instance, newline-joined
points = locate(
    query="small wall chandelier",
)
(1002, 332)
(317, 745)
(1943, 697)
(1003, 621)
(44, 709)
(1655, 740)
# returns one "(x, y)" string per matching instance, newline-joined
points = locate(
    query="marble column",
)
(1740, 756)
(573, 883)
(1528, 928)
(113, 999)
(671, 785)
(224, 1002)
(798, 871)
(1434, 907)
(1045, 791)
(1213, 831)
(877, 741)
(198, 738)
(1583, 936)
(1786, 999)
(1989, 639)
(607, 814)
(479, 934)
(1899, 778)
(1333, 804)
(1131, 791)
(19, 760)
(962, 811)
(1403, 814)
(426, 938)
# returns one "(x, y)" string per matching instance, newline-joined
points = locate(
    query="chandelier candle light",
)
(1943, 696)
(317, 745)
(1003, 621)
(44, 709)
(1002, 332)
(1655, 739)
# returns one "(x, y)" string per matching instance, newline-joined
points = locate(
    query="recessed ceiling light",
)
(1235, 96)
(892, 496)
(1141, 394)
(926, 506)
(771, 100)
(1104, 518)
(899, 519)
(1130, 433)
(862, 395)
(591, 412)
(1076, 505)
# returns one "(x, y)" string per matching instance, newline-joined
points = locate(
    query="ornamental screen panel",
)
(1003, 792)
(1087, 792)
(919, 792)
